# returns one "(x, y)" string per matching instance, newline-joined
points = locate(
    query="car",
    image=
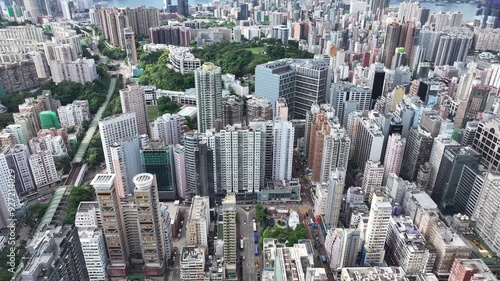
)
(253, 219)
(245, 222)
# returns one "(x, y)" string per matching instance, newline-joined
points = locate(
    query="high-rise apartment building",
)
(115, 129)
(156, 158)
(281, 109)
(132, 101)
(369, 142)
(198, 222)
(372, 177)
(233, 111)
(112, 224)
(259, 109)
(150, 224)
(486, 213)
(486, 142)
(180, 171)
(170, 35)
(283, 135)
(394, 155)
(125, 161)
(417, 152)
(346, 98)
(43, 168)
(342, 247)
(335, 188)
(229, 230)
(167, 128)
(80, 71)
(377, 229)
(130, 48)
(445, 192)
(17, 158)
(18, 76)
(8, 194)
(208, 84)
(452, 48)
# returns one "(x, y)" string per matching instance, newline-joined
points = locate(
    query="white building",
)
(180, 171)
(132, 101)
(8, 194)
(396, 188)
(283, 135)
(198, 222)
(486, 213)
(373, 273)
(17, 158)
(167, 128)
(320, 199)
(369, 142)
(43, 168)
(230, 236)
(208, 84)
(342, 246)
(182, 60)
(80, 70)
(115, 129)
(335, 189)
(377, 228)
(73, 114)
(372, 177)
(167, 224)
(335, 154)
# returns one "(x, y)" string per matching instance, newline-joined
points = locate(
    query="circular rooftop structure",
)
(143, 181)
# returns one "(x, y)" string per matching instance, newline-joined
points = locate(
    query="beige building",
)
(198, 222)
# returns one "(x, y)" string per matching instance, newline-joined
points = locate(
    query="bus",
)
(255, 238)
(241, 244)
(254, 227)
(256, 249)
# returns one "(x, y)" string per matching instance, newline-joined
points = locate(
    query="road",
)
(246, 230)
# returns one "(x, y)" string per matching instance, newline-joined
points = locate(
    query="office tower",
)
(486, 213)
(469, 132)
(469, 188)
(192, 263)
(242, 152)
(280, 32)
(445, 192)
(342, 247)
(336, 181)
(115, 129)
(417, 152)
(17, 158)
(180, 171)
(151, 229)
(394, 155)
(156, 158)
(198, 222)
(18, 76)
(377, 229)
(80, 71)
(397, 188)
(317, 127)
(183, 8)
(207, 182)
(484, 143)
(48, 119)
(65, 9)
(111, 223)
(377, 6)
(132, 101)
(43, 168)
(8, 194)
(399, 58)
(346, 98)
(34, 8)
(439, 145)
(470, 270)
(281, 110)
(407, 247)
(391, 42)
(376, 80)
(369, 142)
(91, 241)
(283, 135)
(129, 35)
(233, 111)
(243, 13)
(480, 99)
(54, 254)
(229, 232)
(452, 48)
(301, 83)
(259, 109)
(208, 84)
(191, 142)
(125, 161)
(167, 128)
(372, 177)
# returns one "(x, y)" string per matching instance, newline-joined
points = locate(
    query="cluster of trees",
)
(261, 213)
(161, 76)
(114, 106)
(77, 195)
(35, 213)
(112, 53)
(285, 235)
(166, 105)
(5, 274)
(236, 58)
(95, 153)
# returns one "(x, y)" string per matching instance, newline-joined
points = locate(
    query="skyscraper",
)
(150, 224)
(198, 222)
(417, 152)
(392, 39)
(394, 155)
(233, 111)
(346, 98)
(43, 168)
(336, 181)
(486, 213)
(439, 145)
(132, 101)
(112, 224)
(130, 48)
(115, 129)
(229, 219)
(283, 135)
(369, 142)
(167, 128)
(183, 8)
(208, 84)
(372, 177)
(486, 143)
(17, 158)
(125, 159)
(156, 158)
(8, 194)
(377, 229)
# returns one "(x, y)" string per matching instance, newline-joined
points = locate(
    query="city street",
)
(246, 230)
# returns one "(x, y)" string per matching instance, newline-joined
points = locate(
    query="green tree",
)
(64, 163)
(77, 195)
(5, 120)
(190, 123)
(35, 213)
